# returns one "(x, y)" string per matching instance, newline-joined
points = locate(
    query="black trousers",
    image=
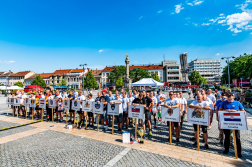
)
(49, 112)
(227, 140)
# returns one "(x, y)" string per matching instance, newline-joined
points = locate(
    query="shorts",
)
(37, 108)
(154, 114)
(60, 111)
(204, 128)
(148, 115)
(90, 114)
(159, 113)
(125, 115)
(183, 115)
(120, 118)
(174, 123)
(104, 115)
(71, 111)
(80, 112)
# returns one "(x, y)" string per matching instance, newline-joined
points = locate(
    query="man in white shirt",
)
(200, 104)
(80, 98)
(75, 93)
(161, 98)
(125, 105)
(170, 104)
(120, 116)
(64, 94)
(154, 108)
(183, 103)
(213, 100)
(131, 98)
(135, 94)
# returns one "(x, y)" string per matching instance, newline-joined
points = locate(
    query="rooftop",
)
(20, 74)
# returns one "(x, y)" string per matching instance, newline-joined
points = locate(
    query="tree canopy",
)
(119, 82)
(196, 78)
(89, 81)
(18, 83)
(155, 77)
(38, 81)
(62, 83)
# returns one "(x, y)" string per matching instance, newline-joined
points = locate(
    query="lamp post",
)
(82, 65)
(228, 67)
(6, 84)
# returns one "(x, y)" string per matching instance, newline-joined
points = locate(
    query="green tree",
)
(119, 82)
(118, 72)
(155, 77)
(62, 83)
(139, 73)
(18, 83)
(38, 81)
(89, 81)
(196, 78)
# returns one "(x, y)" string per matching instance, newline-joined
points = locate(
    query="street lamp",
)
(82, 65)
(228, 67)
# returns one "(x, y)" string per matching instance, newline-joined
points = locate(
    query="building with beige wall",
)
(20, 76)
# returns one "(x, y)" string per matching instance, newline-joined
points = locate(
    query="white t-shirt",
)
(81, 98)
(75, 94)
(155, 101)
(131, 100)
(22, 97)
(125, 104)
(189, 90)
(64, 95)
(211, 97)
(172, 102)
(120, 106)
(43, 96)
(50, 98)
(160, 97)
(135, 96)
(196, 103)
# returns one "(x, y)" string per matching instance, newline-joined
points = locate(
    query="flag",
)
(235, 117)
(136, 110)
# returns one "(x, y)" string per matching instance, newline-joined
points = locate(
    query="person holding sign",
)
(200, 104)
(231, 105)
(71, 97)
(147, 112)
(125, 105)
(154, 108)
(49, 110)
(111, 98)
(60, 109)
(218, 104)
(38, 110)
(31, 109)
(183, 108)
(57, 96)
(90, 114)
(81, 98)
(161, 97)
(104, 99)
(120, 116)
(171, 104)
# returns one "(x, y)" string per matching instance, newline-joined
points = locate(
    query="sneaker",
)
(119, 130)
(106, 128)
(206, 146)
(177, 140)
(225, 152)
(102, 127)
(69, 120)
(55, 119)
(192, 139)
(91, 125)
(88, 125)
(195, 143)
(60, 120)
(150, 132)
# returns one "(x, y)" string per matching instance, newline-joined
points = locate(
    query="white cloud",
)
(160, 11)
(221, 21)
(251, 33)
(205, 24)
(195, 2)
(178, 8)
(101, 51)
(7, 62)
(140, 17)
(218, 54)
(172, 13)
(195, 24)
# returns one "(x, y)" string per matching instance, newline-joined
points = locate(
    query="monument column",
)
(127, 82)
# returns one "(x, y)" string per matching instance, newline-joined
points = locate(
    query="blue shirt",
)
(235, 105)
(218, 102)
(218, 105)
(111, 98)
(103, 99)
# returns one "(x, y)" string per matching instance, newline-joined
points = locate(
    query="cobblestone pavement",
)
(8, 132)
(51, 148)
(142, 159)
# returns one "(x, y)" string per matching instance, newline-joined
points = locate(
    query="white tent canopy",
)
(10, 87)
(147, 82)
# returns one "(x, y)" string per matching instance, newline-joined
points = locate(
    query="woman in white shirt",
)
(90, 114)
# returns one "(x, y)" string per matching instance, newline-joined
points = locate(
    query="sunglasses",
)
(170, 94)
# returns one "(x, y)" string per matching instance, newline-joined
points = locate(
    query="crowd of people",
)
(152, 101)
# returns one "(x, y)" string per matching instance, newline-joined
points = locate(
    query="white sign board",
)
(87, 106)
(113, 109)
(233, 120)
(172, 115)
(27, 102)
(136, 112)
(42, 103)
(97, 108)
(51, 103)
(75, 105)
(198, 116)
(33, 102)
(66, 104)
(7, 100)
(16, 102)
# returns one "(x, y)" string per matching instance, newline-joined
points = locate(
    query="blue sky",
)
(44, 35)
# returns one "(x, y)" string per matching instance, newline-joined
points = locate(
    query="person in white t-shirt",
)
(189, 92)
(125, 105)
(75, 93)
(213, 100)
(80, 98)
(171, 104)
(64, 94)
(90, 114)
(56, 98)
(120, 116)
(131, 98)
(154, 108)
(183, 103)
(22, 107)
(161, 98)
(200, 104)
(135, 94)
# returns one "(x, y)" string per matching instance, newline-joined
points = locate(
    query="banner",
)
(233, 120)
(27, 102)
(32, 102)
(16, 102)
(198, 116)
(172, 115)
(87, 106)
(97, 108)
(136, 112)
(51, 103)
(75, 105)
(66, 104)
(113, 109)
(42, 103)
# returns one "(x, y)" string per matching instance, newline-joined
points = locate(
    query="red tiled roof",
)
(1, 73)
(21, 73)
(45, 75)
(61, 72)
(77, 70)
(147, 67)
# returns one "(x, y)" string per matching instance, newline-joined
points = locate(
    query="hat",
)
(218, 95)
(230, 94)
(104, 90)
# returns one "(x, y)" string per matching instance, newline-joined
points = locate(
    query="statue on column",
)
(127, 81)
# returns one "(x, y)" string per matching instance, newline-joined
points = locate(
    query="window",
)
(160, 72)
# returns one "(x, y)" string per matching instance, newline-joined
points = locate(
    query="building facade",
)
(44, 76)
(20, 77)
(172, 71)
(58, 75)
(74, 78)
(208, 68)
(3, 77)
